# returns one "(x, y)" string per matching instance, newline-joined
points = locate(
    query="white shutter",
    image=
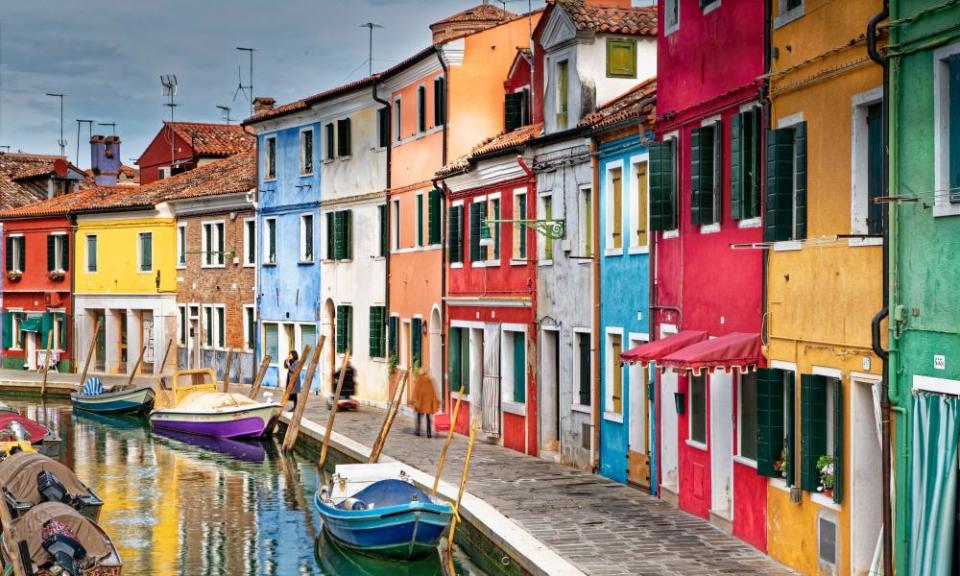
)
(490, 421)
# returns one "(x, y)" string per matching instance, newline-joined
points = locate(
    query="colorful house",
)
(182, 146)
(924, 373)
(704, 202)
(587, 53)
(817, 402)
(620, 129)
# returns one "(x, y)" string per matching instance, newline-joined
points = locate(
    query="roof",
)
(480, 13)
(630, 21)
(639, 103)
(63, 205)
(209, 139)
(492, 146)
(16, 168)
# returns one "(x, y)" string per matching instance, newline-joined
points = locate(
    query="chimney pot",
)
(105, 159)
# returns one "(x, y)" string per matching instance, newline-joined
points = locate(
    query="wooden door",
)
(638, 447)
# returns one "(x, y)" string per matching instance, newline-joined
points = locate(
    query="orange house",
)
(443, 101)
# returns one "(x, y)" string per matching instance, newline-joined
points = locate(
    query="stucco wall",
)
(118, 254)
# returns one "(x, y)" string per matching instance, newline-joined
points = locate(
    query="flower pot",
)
(828, 492)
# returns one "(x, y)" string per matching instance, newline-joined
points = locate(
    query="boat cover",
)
(18, 475)
(214, 401)
(658, 349)
(30, 528)
(92, 387)
(35, 432)
(386, 493)
(739, 350)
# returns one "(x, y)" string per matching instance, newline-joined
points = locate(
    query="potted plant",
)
(826, 470)
(782, 463)
(56, 275)
(13, 276)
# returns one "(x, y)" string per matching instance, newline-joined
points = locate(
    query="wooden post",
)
(258, 379)
(463, 484)
(292, 382)
(166, 401)
(388, 423)
(136, 367)
(294, 428)
(166, 353)
(393, 399)
(333, 411)
(226, 372)
(46, 364)
(93, 345)
(446, 444)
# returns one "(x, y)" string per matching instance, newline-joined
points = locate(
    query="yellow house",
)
(824, 281)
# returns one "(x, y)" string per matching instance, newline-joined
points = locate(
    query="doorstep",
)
(722, 519)
(669, 494)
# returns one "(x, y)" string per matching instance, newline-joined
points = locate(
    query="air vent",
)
(827, 543)
(586, 436)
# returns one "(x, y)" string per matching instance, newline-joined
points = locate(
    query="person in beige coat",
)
(423, 399)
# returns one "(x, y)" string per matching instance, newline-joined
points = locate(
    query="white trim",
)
(577, 407)
(302, 156)
(714, 4)
(668, 29)
(744, 461)
(828, 372)
(941, 132)
(635, 161)
(247, 242)
(822, 500)
(613, 417)
(609, 366)
(785, 16)
(246, 329)
(608, 213)
(710, 228)
(695, 444)
(218, 257)
(266, 173)
(865, 378)
(784, 365)
(936, 385)
(706, 410)
(265, 256)
(787, 246)
(515, 408)
(790, 120)
(301, 254)
(181, 245)
(495, 228)
(750, 223)
(859, 159)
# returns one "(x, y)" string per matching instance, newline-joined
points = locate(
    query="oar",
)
(446, 444)
(294, 428)
(333, 410)
(258, 379)
(463, 483)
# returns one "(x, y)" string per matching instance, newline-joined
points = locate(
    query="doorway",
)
(436, 355)
(288, 342)
(329, 352)
(638, 443)
(549, 397)
(866, 481)
(100, 341)
(31, 346)
(670, 474)
(721, 444)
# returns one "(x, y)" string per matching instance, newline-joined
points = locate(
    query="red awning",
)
(740, 350)
(658, 349)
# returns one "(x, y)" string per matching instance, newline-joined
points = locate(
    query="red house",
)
(181, 146)
(705, 191)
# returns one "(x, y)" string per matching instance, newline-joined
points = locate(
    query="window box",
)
(14, 276)
(56, 275)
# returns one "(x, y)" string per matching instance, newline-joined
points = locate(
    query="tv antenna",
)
(169, 82)
(112, 125)
(89, 123)
(61, 142)
(225, 111)
(370, 26)
(247, 90)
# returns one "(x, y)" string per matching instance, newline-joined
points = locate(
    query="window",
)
(383, 225)
(213, 244)
(827, 541)
(249, 327)
(638, 205)
(705, 180)
(270, 157)
(562, 93)
(343, 137)
(397, 121)
(270, 242)
(745, 169)
(747, 413)
(621, 58)
(416, 342)
(419, 219)
(12, 335)
(671, 14)
(663, 185)
(583, 368)
(221, 314)
(308, 336)
(615, 209)
(58, 253)
(586, 222)
(331, 141)
(493, 209)
(342, 234)
(785, 206)
(455, 234)
(378, 331)
(182, 325)
(393, 338)
(698, 407)
(516, 109)
(613, 397)
(821, 432)
(306, 151)
(250, 242)
(383, 127)
(439, 101)
(181, 245)
(946, 90)
(306, 238)
(875, 148)
(16, 254)
(514, 366)
(421, 109)
(775, 399)
(91, 253)
(146, 251)
(707, 5)
(434, 201)
(459, 360)
(789, 10)
(546, 213)
(208, 327)
(519, 231)
(59, 330)
(271, 342)
(344, 328)
(396, 224)
(478, 213)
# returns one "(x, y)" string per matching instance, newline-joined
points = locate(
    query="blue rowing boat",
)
(93, 398)
(390, 517)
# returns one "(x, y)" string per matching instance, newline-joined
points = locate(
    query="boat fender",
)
(354, 504)
(50, 487)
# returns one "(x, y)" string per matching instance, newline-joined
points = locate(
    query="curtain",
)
(934, 490)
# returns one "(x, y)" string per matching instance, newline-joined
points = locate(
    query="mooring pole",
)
(46, 364)
(93, 344)
(463, 484)
(446, 445)
(294, 428)
(258, 379)
(226, 372)
(333, 411)
(133, 373)
(388, 422)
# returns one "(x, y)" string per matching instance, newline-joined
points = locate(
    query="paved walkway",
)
(28, 379)
(602, 527)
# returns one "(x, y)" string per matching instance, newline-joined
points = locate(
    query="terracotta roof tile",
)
(499, 143)
(479, 13)
(629, 21)
(18, 167)
(639, 103)
(63, 205)
(214, 139)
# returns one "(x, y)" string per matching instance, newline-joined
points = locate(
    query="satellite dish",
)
(60, 167)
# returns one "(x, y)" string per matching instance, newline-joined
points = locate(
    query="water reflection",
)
(178, 504)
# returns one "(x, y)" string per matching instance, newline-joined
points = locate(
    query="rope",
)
(921, 14)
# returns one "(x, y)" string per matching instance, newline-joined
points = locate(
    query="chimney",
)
(622, 4)
(263, 103)
(105, 159)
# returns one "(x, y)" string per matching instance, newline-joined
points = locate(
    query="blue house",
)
(627, 441)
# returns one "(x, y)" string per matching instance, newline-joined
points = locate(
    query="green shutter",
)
(838, 441)
(377, 331)
(9, 255)
(439, 101)
(146, 248)
(416, 342)
(953, 66)
(341, 329)
(770, 429)
(701, 175)
(382, 212)
(752, 148)
(331, 142)
(621, 58)
(736, 166)
(394, 336)
(453, 356)
(331, 230)
(433, 215)
(477, 214)
(465, 360)
(522, 209)
(65, 252)
(51, 252)
(875, 180)
(455, 233)
(7, 326)
(422, 109)
(800, 159)
(348, 235)
(519, 368)
(778, 203)
(63, 331)
(46, 325)
(790, 383)
(584, 383)
(340, 235)
(513, 111)
(420, 220)
(813, 428)
(662, 186)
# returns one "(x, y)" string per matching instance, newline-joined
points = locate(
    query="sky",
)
(107, 56)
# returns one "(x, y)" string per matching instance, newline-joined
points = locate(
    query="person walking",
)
(424, 399)
(289, 364)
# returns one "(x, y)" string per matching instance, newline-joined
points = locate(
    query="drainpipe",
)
(443, 244)
(534, 335)
(884, 311)
(596, 305)
(387, 211)
(73, 303)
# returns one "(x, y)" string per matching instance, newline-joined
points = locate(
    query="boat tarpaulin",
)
(737, 350)
(658, 349)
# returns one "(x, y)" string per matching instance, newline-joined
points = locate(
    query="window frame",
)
(544, 201)
(395, 220)
(575, 404)
(421, 109)
(270, 241)
(140, 237)
(757, 155)
(249, 342)
(329, 142)
(250, 242)
(691, 441)
(671, 27)
(456, 257)
(182, 334)
(181, 245)
(481, 259)
(58, 244)
(562, 93)
(344, 138)
(420, 220)
(270, 157)
(303, 257)
(787, 15)
(95, 253)
(508, 377)
(275, 360)
(636, 196)
(17, 316)
(519, 252)
(16, 242)
(609, 211)
(741, 413)
(304, 159)
(495, 252)
(673, 138)
(941, 130)
(859, 162)
(383, 127)
(610, 367)
(398, 118)
(216, 258)
(612, 44)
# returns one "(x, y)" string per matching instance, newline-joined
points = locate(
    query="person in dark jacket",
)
(349, 382)
(289, 364)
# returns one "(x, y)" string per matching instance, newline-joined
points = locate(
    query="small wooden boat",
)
(199, 409)
(53, 539)
(247, 451)
(336, 559)
(28, 479)
(4, 407)
(93, 398)
(376, 509)
(15, 426)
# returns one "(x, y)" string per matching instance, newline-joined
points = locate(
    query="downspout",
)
(443, 244)
(596, 305)
(534, 335)
(387, 212)
(73, 303)
(884, 311)
(767, 119)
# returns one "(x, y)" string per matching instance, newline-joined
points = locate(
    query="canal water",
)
(192, 506)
